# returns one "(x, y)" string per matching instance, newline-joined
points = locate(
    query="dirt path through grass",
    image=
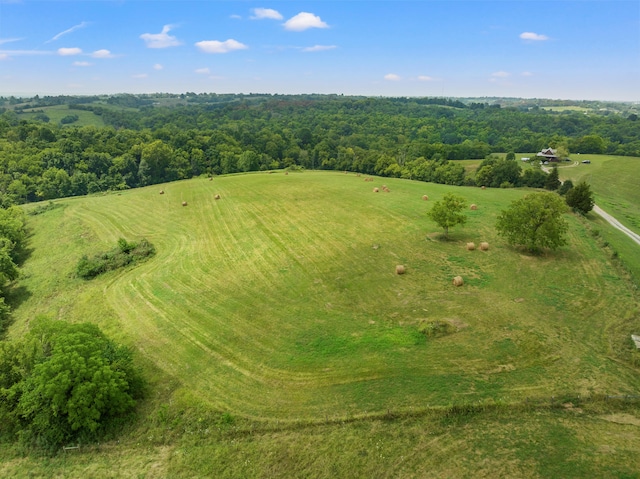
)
(616, 224)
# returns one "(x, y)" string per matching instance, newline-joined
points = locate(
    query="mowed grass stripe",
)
(276, 292)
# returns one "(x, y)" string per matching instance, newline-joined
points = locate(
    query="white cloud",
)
(70, 30)
(526, 74)
(140, 75)
(392, 77)
(4, 56)
(535, 37)
(425, 78)
(202, 71)
(266, 13)
(65, 52)
(162, 39)
(303, 21)
(157, 66)
(215, 46)
(319, 48)
(235, 17)
(501, 74)
(81, 64)
(9, 40)
(102, 54)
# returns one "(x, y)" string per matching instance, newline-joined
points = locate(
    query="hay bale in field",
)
(474, 206)
(286, 172)
(458, 281)
(211, 178)
(483, 188)
(162, 192)
(425, 197)
(471, 246)
(216, 197)
(484, 246)
(184, 203)
(375, 190)
(386, 190)
(400, 269)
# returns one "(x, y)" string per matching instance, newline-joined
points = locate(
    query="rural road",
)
(607, 217)
(616, 224)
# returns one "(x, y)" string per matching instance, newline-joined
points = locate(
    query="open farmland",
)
(278, 340)
(285, 290)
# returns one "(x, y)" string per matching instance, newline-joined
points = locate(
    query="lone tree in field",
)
(534, 222)
(448, 212)
(580, 198)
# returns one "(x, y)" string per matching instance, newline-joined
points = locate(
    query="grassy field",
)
(57, 113)
(276, 310)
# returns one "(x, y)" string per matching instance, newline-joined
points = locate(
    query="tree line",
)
(147, 142)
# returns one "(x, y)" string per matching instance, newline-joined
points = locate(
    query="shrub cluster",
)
(124, 254)
(62, 383)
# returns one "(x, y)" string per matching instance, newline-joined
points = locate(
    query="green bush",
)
(63, 383)
(124, 254)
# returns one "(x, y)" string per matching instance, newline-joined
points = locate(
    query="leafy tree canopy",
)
(448, 212)
(580, 198)
(64, 382)
(534, 221)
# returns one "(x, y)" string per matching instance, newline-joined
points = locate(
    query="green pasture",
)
(569, 442)
(279, 342)
(285, 290)
(58, 112)
(614, 181)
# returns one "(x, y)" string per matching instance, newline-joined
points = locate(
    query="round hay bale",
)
(286, 172)
(474, 206)
(375, 190)
(400, 269)
(387, 190)
(484, 246)
(425, 197)
(211, 178)
(162, 192)
(483, 188)
(217, 197)
(471, 246)
(458, 281)
(184, 203)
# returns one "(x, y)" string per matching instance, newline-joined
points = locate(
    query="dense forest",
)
(149, 139)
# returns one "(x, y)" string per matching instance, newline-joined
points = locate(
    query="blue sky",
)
(585, 49)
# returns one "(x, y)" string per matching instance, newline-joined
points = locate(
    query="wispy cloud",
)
(392, 77)
(4, 56)
(533, 37)
(157, 66)
(67, 52)
(500, 74)
(425, 78)
(23, 53)
(266, 13)
(526, 74)
(9, 40)
(66, 32)
(81, 64)
(319, 48)
(202, 71)
(215, 46)
(139, 75)
(303, 21)
(162, 39)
